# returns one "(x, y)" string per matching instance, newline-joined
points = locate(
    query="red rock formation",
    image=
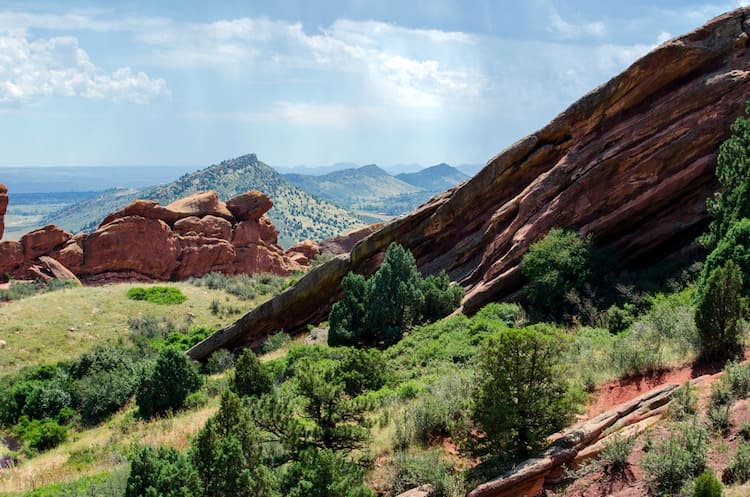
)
(250, 205)
(630, 163)
(303, 252)
(132, 243)
(146, 241)
(3, 207)
(343, 244)
(43, 241)
(200, 204)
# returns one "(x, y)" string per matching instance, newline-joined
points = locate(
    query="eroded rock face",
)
(3, 207)
(303, 252)
(343, 244)
(630, 163)
(132, 243)
(146, 241)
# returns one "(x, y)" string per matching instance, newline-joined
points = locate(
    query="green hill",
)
(350, 187)
(296, 213)
(434, 179)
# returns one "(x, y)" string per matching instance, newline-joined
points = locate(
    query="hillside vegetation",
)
(296, 214)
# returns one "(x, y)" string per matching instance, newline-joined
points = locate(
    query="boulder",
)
(71, 254)
(56, 270)
(306, 248)
(260, 258)
(144, 208)
(422, 491)
(11, 257)
(200, 204)
(43, 241)
(134, 244)
(268, 232)
(3, 207)
(630, 164)
(343, 244)
(249, 205)
(207, 226)
(200, 255)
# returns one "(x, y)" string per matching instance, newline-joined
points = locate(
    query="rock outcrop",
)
(146, 241)
(343, 244)
(630, 164)
(3, 208)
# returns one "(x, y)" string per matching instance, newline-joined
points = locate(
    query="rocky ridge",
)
(147, 241)
(630, 164)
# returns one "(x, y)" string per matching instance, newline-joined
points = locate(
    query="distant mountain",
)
(395, 169)
(296, 213)
(434, 179)
(315, 170)
(350, 187)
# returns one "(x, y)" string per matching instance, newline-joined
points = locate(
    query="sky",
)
(307, 83)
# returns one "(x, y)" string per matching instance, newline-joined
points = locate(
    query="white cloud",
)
(34, 69)
(571, 31)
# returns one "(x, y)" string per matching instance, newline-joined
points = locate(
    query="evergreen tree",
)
(523, 393)
(227, 454)
(324, 473)
(719, 312)
(348, 320)
(250, 376)
(162, 472)
(167, 384)
(733, 172)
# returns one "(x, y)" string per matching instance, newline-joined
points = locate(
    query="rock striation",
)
(147, 241)
(631, 164)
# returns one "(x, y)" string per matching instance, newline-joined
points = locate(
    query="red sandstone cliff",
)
(630, 163)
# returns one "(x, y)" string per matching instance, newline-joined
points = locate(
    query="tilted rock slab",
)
(630, 164)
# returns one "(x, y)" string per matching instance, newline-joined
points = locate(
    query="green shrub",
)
(555, 266)
(706, 485)
(515, 366)
(684, 402)
(19, 290)
(219, 361)
(324, 473)
(615, 454)
(719, 313)
(738, 469)
(250, 376)
(620, 319)
(737, 376)
(40, 435)
(744, 430)
(157, 295)
(718, 417)
(163, 472)
(275, 342)
(675, 459)
(167, 384)
(411, 470)
(149, 327)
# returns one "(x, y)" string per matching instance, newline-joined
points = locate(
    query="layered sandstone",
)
(630, 164)
(146, 241)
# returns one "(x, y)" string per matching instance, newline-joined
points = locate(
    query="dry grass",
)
(62, 324)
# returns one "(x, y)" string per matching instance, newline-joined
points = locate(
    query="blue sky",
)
(302, 82)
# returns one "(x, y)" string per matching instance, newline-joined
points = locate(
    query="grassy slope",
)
(296, 214)
(62, 324)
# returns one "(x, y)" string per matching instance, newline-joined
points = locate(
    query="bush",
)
(250, 376)
(40, 435)
(161, 472)
(165, 386)
(706, 485)
(219, 361)
(413, 470)
(684, 402)
(719, 313)
(275, 342)
(440, 298)
(324, 473)
(718, 417)
(676, 459)
(615, 454)
(738, 469)
(157, 295)
(556, 265)
(523, 392)
(620, 319)
(149, 327)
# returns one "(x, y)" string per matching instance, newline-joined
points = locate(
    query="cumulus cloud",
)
(571, 31)
(31, 69)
